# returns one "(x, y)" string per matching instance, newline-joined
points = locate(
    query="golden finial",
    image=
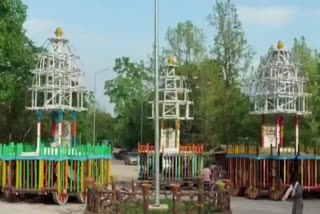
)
(59, 33)
(171, 60)
(280, 45)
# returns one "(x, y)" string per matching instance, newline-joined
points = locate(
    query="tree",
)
(127, 85)
(16, 60)
(129, 91)
(304, 55)
(186, 43)
(233, 54)
(231, 50)
(211, 111)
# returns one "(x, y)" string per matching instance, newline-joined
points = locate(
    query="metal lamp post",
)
(156, 105)
(141, 122)
(94, 103)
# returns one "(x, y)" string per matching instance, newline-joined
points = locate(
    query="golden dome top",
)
(59, 33)
(171, 60)
(280, 45)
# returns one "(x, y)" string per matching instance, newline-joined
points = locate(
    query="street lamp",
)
(94, 103)
(141, 122)
(156, 105)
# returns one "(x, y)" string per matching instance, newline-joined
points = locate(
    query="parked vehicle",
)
(131, 158)
(123, 154)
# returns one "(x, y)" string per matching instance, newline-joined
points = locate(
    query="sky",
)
(102, 30)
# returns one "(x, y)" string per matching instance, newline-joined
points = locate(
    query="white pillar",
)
(296, 123)
(277, 131)
(39, 130)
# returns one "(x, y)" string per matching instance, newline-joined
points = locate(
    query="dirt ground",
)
(239, 205)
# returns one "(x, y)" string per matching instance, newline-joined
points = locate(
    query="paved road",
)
(239, 205)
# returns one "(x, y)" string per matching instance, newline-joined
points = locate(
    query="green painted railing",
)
(12, 150)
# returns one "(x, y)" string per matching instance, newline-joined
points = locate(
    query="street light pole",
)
(156, 105)
(94, 103)
(141, 122)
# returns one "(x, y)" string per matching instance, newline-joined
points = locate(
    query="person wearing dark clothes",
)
(296, 190)
(296, 195)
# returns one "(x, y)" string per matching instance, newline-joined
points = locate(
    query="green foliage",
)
(16, 58)
(211, 109)
(128, 86)
(233, 55)
(128, 91)
(186, 43)
(14, 48)
(310, 66)
(230, 49)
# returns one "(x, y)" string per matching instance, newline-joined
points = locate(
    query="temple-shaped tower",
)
(56, 87)
(174, 101)
(280, 87)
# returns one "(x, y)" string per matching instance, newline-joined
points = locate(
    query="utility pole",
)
(156, 105)
(141, 122)
(141, 111)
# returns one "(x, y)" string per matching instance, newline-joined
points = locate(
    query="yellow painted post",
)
(82, 176)
(89, 169)
(17, 174)
(284, 171)
(109, 170)
(105, 173)
(102, 170)
(66, 173)
(58, 178)
(302, 172)
(41, 171)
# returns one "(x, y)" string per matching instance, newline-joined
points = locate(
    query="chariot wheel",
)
(237, 191)
(82, 197)
(253, 193)
(276, 194)
(9, 196)
(60, 198)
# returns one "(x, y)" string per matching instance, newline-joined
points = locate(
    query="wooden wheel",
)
(60, 198)
(9, 196)
(82, 197)
(237, 191)
(253, 193)
(276, 194)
